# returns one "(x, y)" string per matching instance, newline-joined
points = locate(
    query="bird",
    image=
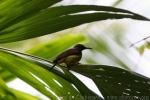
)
(71, 56)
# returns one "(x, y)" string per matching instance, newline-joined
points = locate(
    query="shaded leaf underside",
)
(113, 81)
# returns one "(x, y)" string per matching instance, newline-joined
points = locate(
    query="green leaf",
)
(64, 84)
(7, 93)
(13, 11)
(53, 47)
(56, 45)
(22, 96)
(55, 19)
(113, 81)
(6, 75)
(141, 49)
(147, 45)
(49, 87)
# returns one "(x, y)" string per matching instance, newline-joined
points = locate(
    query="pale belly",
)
(72, 60)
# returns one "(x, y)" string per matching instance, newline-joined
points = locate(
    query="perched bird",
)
(71, 56)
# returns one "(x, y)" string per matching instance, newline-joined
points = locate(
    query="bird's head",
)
(81, 47)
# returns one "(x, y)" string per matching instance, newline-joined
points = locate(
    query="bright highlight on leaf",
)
(54, 19)
(7, 93)
(48, 83)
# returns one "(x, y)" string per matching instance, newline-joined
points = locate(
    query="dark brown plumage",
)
(71, 56)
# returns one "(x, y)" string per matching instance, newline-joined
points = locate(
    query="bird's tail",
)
(53, 66)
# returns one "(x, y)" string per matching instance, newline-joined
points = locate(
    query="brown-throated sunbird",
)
(71, 56)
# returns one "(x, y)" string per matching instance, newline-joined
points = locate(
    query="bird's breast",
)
(72, 59)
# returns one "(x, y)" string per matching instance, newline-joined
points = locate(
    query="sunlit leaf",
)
(117, 2)
(23, 96)
(13, 11)
(7, 93)
(56, 45)
(147, 45)
(48, 83)
(6, 75)
(55, 19)
(141, 49)
(53, 86)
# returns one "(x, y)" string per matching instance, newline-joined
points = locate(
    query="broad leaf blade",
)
(33, 66)
(46, 82)
(59, 18)
(49, 49)
(113, 81)
(53, 47)
(7, 93)
(13, 11)
(6, 75)
(23, 96)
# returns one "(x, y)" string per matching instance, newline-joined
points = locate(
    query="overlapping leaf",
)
(55, 46)
(49, 50)
(110, 80)
(7, 93)
(55, 19)
(29, 69)
(29, 73)
(6, 75)
(12, 11)
(113, 81)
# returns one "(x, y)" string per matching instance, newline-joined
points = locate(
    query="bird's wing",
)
(66, 54)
